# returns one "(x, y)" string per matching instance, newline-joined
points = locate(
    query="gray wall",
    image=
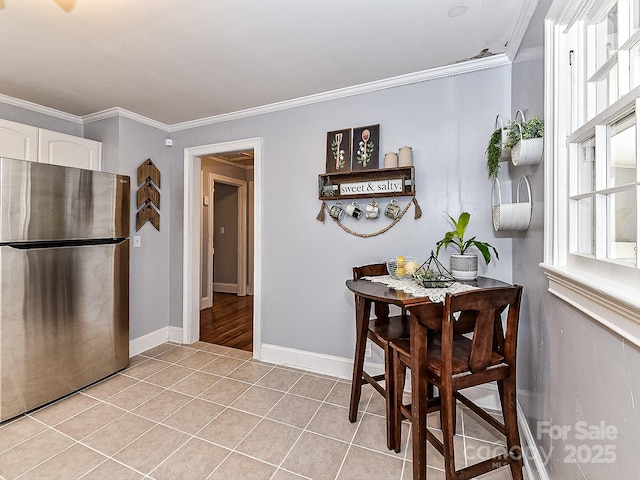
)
(305, 263)
(571, 369)
(125, 145)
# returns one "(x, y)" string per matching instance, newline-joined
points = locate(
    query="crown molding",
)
(121, 112)
(493, 61)
(460, 68)
(520, 28)
(34, 107)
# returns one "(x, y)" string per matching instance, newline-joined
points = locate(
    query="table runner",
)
(409, 286)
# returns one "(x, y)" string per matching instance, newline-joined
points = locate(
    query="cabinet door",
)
(18, 141)
(69, 151)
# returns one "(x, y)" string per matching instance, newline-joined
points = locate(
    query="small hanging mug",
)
(354, 210)
(372, 211)
(337, 211)
(393, 209)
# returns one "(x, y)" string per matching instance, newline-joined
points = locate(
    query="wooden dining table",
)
(371, 293)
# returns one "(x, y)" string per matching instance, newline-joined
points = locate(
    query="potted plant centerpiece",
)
(464, 266)
(525, 140)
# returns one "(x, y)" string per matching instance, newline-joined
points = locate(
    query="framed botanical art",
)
(366, 148)
(339, 151)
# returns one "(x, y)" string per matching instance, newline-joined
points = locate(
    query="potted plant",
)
(497, 151)
(525, 140)
(464, 266)
(494, 152)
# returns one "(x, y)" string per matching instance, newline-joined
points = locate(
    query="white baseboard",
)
(533, 463)
(153, 339)
(225, 287)
(314, 362)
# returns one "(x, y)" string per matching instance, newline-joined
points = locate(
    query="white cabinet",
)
(25, 142)
(69, 151)
(18, 141)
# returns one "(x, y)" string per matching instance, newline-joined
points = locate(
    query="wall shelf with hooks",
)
(383, 182)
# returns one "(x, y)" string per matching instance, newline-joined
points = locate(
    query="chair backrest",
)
(478, 311)
(372, 270)
(488, 334)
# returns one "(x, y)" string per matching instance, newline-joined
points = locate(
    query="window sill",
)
(615, 306)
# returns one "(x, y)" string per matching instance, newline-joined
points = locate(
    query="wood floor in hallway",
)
(229, 322)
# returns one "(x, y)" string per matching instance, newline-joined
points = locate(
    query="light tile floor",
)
(209, 412)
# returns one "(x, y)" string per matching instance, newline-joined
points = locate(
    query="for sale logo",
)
(584, 442)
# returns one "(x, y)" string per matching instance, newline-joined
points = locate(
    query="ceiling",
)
(178, 61)
(242, 158)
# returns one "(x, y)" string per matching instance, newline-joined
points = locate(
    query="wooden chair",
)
(439, 354)
(381, 330)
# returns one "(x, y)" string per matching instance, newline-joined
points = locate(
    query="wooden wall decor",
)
(148, 191)
(148, 195)
(148, 170)
(147, 214)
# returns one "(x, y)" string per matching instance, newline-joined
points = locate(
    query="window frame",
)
(578, 279)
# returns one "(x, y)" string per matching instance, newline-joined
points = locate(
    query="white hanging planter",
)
(528, 151)
(505, 152)
(511, 216)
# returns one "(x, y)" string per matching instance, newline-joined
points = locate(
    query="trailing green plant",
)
(532, 128)
(494, 151)
(456, 238)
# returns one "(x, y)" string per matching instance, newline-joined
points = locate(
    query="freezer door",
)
(64, 321)
(44, 202)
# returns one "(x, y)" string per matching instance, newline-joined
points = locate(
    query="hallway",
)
(229, 322)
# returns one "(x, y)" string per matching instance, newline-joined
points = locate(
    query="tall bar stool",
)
(452, 361)
(380, 330)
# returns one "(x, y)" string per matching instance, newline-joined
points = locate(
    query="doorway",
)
(226, 261)
(192, 237)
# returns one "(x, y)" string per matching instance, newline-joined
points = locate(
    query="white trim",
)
(153, 339)
(468, 66)
(532, 457)
(493, 61)
(225, 287)
(520, 28)
(191, 237)
(121, 112)
(34, 107)
(206, 298)
(335, 366)
(613, 305)
(550, 102)
(241, 267)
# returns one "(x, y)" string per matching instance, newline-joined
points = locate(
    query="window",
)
(592, 96)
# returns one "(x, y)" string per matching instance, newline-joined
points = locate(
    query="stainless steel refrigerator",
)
(64, 293)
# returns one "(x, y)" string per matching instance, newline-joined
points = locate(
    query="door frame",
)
(241, 267)
(192, 240)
